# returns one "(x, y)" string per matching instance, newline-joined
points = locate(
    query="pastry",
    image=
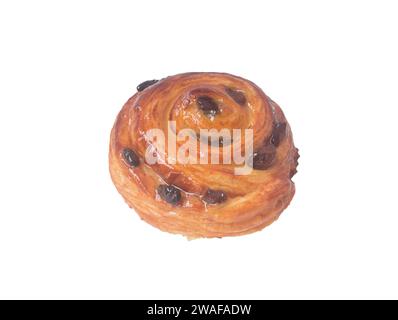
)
(174, 184)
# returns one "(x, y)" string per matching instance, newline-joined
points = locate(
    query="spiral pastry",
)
(193, 198)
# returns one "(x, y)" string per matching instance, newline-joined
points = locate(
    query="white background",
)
(67, 67)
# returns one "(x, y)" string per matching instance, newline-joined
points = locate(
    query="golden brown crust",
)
(252, 201)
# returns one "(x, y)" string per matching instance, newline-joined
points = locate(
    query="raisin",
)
(214, 196)
(237, 96)
(146, 84)
(208, 106)
(169, 193)
(131, 157)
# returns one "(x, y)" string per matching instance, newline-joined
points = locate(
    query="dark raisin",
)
(264, 157)
(146, 84)
(278, 133)
(169, 193)
(131, 157)
(237, 96)
(208, 106)
(214, 196)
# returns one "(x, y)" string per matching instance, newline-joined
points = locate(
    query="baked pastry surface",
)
(203, 200)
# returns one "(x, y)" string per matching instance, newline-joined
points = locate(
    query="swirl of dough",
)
(197, 199)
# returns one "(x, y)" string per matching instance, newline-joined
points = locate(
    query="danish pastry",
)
(170, 178)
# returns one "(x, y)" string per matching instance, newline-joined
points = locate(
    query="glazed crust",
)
(252, 201)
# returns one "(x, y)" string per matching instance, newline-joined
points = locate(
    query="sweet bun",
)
(198, 199)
